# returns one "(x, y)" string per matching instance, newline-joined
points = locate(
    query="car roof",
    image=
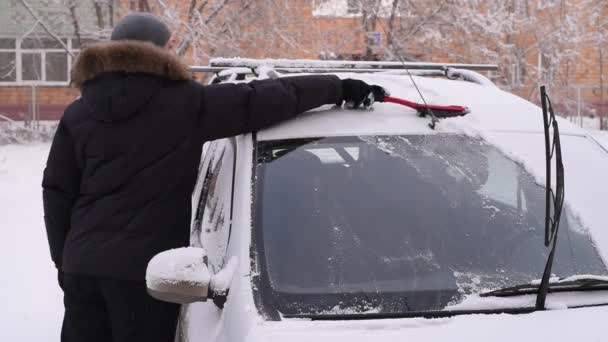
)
(491, 109)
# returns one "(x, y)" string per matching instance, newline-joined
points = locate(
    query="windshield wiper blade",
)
(408, 314)
(575, 283)
(554, 200)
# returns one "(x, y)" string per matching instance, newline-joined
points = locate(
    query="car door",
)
(211, 223)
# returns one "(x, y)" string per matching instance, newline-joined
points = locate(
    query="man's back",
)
(137, 152)
(138, 157)
(123, 163)
(126, 153)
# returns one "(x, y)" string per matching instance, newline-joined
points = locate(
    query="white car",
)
(359, 225)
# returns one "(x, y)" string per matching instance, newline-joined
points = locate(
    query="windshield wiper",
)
(575, 283)
(554, 200)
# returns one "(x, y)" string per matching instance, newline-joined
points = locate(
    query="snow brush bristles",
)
(423, 109)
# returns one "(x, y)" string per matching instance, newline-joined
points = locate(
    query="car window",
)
(402, 223)
(585, 167)
(212, 219)
(503, 183)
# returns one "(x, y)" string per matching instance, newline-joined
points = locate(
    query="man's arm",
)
(60, 184)
(233, 109)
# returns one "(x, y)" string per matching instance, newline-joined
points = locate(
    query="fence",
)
(33, 104)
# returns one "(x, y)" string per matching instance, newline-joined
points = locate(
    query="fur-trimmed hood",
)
(118, 78)
(128, 57)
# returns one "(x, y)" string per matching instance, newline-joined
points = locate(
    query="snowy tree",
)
(598, 37)
(256, 28)
(533, 42)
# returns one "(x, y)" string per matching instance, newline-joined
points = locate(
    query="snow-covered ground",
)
(31, 301)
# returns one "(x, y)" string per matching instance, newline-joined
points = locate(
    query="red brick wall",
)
(16, 102)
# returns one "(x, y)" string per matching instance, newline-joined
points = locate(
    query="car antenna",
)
(554, 200)
(428, 110)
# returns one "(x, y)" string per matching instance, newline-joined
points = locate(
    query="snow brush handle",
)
(455, 110)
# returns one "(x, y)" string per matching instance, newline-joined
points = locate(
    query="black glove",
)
(357, 92)
(60, 278)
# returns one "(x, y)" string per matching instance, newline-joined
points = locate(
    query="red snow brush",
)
(436, 111)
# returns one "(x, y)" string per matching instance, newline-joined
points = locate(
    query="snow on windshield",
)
(417, 221)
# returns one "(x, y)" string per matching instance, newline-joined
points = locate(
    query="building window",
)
(56, 64)
(31, 69)
(36, 61)
(7, 67)
(7, 60)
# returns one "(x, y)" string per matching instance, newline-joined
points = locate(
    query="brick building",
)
(34, 65)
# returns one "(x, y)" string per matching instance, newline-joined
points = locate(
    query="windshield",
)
(391, 224)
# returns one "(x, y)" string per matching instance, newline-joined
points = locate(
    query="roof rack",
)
(322, 66)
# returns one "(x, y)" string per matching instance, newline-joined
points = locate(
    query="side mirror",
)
(181, 276)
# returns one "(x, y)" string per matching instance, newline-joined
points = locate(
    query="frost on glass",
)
(402, 223)
(211, 226)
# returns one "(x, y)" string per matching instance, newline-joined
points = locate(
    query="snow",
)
(471, 76)
(285, 63)
(557, 280)
(32, 308)
(583, 277)
(306, 64)
(585, 180)
(233, 71)
(552, 280)
(602, 138)
(513, 125)
(491, 110)
(555, 301)
(554, 325)
(340, 8)
(187, 264)
(220, 282)
(506, 121)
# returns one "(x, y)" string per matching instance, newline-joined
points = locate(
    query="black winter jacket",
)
(119, 177)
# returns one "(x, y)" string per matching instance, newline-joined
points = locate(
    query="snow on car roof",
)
(491, 110)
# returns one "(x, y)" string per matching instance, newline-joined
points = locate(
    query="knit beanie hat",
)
(143, 27)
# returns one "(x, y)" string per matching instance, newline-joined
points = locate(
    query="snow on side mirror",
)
(179, 276)
(220, 283)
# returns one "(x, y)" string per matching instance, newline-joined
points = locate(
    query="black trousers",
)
(114, 310)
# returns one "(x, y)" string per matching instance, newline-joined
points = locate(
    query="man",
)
(123, 163)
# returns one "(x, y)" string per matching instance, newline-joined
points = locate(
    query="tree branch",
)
(98, 14)
(45, 27)
(185, 44)
(72, 8)
(111, 12)
(216, 11)
(201, 7)
(144, 6)
(191, 10)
